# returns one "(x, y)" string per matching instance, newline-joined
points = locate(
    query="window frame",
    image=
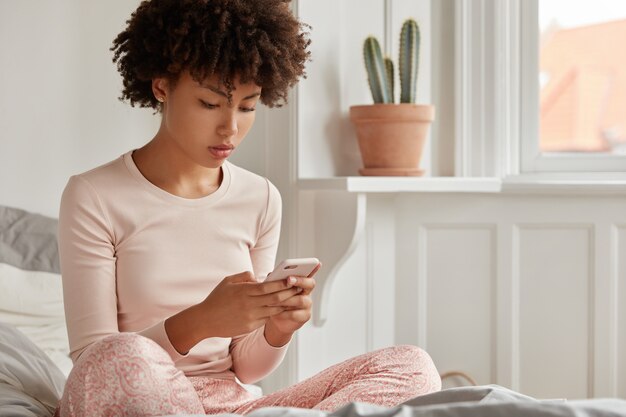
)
(496, 96)
(532, 159)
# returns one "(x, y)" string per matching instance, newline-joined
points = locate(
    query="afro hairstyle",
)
(259, 41)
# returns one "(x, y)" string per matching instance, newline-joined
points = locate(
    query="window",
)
(573, 86)
(520, 105)
(583, 103)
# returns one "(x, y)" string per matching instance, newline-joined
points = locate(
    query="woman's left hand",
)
(298, 307)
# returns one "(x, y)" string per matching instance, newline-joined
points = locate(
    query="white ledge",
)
(403, 184)
(564, 186)
(556, 185)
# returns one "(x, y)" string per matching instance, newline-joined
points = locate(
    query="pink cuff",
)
(158, 334)
(265, 345)
(254, 358)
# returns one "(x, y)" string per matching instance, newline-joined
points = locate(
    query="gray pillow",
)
(28, 240)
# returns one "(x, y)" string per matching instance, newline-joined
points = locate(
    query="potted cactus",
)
(392, 136)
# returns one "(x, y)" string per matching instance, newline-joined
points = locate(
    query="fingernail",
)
(292, 280)
(299, 289)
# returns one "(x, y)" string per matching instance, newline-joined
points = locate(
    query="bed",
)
(34, 355)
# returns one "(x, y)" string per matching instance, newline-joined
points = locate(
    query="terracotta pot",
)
(391, 137)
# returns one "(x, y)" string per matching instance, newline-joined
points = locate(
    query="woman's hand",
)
(297, 310)
(239, 304)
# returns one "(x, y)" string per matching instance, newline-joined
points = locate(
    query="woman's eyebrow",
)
(258, 93)
(223, 94)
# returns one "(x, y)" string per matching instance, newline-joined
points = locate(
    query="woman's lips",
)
(220, 152)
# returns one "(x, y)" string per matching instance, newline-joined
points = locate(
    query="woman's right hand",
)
(239, 304)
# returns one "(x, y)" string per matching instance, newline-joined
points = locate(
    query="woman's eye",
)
(208, 105)
(215, 106)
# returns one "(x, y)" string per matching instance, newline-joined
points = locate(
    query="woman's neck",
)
(165, 165)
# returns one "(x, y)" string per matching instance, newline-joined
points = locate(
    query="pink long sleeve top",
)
(133, 255)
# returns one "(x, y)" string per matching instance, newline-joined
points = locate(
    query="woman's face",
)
(201, 122)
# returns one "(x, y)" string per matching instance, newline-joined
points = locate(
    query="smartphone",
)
(299, 267)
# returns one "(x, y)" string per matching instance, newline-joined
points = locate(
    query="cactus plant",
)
(391, 137)
(390, 81)
(409, 60)
(380, 72)
(376, 71)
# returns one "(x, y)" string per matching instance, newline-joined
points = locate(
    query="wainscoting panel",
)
(458, 269)
(550, 306)
(555, 289)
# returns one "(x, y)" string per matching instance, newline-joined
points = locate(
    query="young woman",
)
(163, 249)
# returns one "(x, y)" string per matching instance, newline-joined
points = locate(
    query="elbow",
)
(247, 377)
(75, 354)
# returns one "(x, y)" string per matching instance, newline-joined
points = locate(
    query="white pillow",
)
(32, 301)
(30, 384)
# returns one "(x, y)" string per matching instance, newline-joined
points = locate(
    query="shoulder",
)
(111, 171)
(100, 176)
(86, 189)
(253, 184)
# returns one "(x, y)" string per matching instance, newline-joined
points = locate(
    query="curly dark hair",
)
(259, 41)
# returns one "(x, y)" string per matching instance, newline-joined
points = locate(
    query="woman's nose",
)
(228, 126)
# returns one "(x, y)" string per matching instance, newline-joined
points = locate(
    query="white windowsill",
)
(564, 184)
(586, 183)
(402, 184)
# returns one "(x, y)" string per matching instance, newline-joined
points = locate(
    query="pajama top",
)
(132, 255)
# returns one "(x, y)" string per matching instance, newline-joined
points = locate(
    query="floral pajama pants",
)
(130, 375)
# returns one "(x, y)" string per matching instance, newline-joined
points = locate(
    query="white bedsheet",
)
(482, 401)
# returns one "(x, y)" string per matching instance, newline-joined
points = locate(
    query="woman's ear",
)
(159, 89)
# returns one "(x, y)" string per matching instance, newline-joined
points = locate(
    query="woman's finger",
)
(263, 288)
(267, 311)
(297, 302)
(307, 284)
(298, 316)
(275, 298)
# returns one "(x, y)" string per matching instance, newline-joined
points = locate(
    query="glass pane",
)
(582, 76)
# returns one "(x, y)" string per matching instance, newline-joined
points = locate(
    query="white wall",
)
(59, 110)
(337, 78)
